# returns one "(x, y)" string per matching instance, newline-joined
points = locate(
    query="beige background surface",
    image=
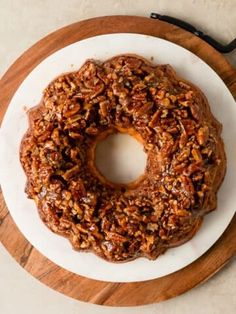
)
(22, 23)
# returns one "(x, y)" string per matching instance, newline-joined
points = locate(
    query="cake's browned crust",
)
(185, 158)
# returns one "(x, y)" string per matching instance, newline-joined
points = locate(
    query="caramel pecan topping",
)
(185, 158)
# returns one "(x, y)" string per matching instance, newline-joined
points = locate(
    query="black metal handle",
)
(190, 28)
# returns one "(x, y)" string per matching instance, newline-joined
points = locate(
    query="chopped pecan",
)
(202, 135)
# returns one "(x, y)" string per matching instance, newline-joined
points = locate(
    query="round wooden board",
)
(78, 287)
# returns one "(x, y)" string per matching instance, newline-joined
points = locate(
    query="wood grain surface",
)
(78, 287)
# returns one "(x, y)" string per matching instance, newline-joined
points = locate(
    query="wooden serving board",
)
(78, 287)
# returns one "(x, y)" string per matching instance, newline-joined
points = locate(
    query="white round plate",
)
(23, 210)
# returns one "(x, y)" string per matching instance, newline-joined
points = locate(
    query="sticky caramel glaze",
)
(185, 158)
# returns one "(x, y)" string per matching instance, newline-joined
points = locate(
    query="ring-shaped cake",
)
(185, 166)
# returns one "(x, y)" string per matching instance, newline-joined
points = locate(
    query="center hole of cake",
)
(120, 158)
